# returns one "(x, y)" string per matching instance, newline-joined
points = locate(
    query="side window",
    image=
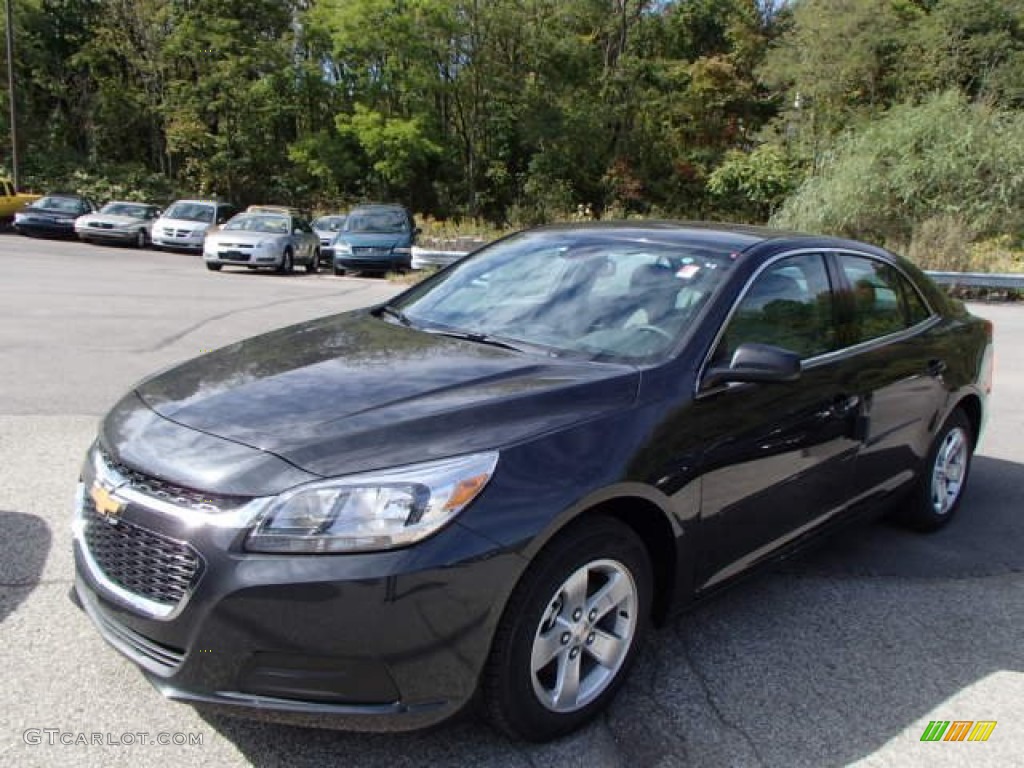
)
(884, 302)
(789, 305)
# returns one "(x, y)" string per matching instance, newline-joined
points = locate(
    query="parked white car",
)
(119, 221)
(185, 223)
(254, 240)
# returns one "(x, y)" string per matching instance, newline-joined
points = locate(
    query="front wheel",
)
(570, 631)
(939, 490)
(141, 239)
(213, 267)
(314, 263)
(339, 271)
(287, 264)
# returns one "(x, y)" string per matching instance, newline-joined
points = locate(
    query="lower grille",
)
(162, 658)
(148, 564)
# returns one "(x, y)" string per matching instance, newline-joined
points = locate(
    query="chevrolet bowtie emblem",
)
(106, 505)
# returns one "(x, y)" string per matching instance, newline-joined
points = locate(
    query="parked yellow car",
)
(12, 201)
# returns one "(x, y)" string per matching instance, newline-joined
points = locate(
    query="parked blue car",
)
(375, 238)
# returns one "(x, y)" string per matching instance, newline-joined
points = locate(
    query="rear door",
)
(895, 365)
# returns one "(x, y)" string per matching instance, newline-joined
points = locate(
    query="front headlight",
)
(64, 220)
(341, 247)
(20, 217)
(403, 251)
(373, 511)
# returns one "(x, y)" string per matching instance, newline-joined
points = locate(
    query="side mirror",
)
(753, 362)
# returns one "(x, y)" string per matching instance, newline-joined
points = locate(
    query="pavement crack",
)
(709, 697)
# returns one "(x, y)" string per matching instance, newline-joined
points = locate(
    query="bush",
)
(944, 157)
(941, 243)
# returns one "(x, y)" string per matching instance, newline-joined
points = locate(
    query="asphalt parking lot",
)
(838, 657)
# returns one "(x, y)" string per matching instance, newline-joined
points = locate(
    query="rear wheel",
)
(213, 267)
(570, 631)
(939, 490)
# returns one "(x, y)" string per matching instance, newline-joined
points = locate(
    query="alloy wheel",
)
(948, 470)
(584, 636)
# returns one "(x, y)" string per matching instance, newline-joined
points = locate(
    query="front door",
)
(779, 457)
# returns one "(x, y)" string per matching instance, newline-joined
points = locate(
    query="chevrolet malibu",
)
(487, 489)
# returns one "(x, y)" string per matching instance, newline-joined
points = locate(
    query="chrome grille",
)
(178, 495)
(145, 563)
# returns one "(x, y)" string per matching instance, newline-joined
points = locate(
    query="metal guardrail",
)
(979, 279)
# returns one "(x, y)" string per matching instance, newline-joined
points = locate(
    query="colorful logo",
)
(958, 730)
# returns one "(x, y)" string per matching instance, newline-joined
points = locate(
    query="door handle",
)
(936, 367)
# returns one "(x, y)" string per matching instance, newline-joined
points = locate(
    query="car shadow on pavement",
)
(821, 662)
(24, 545)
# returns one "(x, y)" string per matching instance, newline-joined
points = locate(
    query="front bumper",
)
(113, 235)
(179, 242)
(378, 641)
(246, 255)
(372, 263)
(45, 229)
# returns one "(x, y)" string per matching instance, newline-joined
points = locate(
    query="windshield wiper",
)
(478, 338)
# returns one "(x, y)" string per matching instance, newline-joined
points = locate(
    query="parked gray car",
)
(255, 240)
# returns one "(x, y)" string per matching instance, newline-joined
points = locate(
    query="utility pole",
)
(10, 95)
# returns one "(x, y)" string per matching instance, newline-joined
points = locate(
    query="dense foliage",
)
(868, 117)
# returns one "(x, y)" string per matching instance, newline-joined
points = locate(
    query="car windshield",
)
(259, 222)
(617, 296)
(377, 221)
(134, 210)
(54, 203)
(329, 223)
(190, 212)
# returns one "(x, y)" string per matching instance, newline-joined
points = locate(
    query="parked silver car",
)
(118, 221)
(254, 240)
(327, 228)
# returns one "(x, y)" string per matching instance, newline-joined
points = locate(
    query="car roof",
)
(201, 202)
(736, 237)
(379, 207)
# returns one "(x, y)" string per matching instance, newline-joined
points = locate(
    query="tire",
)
(314, 263)
(940, 488)
(339, 271)
(542, 635)
(213, 267)
(287, 262)
(141, 239)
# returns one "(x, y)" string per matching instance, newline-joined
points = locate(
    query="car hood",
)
(242, 236)
(354, 392)
(375, 239)
(106, 218)
(182, 224)
(49, 212)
